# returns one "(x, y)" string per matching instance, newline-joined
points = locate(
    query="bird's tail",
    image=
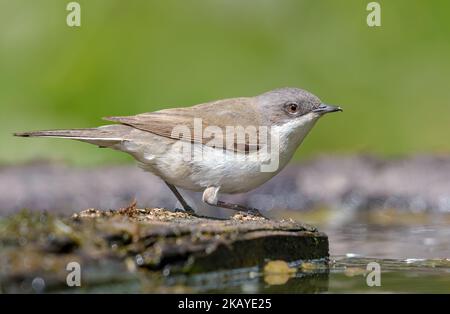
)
(102, 136)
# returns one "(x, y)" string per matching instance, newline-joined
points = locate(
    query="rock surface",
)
(111, 245)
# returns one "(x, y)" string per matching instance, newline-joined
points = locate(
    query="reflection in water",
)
(342, 275)
(255, 280)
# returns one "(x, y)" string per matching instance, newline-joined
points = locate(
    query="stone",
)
(117, 242)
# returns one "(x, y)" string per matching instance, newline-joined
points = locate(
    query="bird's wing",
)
(205, 123)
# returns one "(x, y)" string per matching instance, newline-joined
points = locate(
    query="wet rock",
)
(130, 241)
(60, 245)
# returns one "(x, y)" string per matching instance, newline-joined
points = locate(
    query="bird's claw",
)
(255, 212)
(187, 210)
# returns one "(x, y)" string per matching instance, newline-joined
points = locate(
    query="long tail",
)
(103, 136)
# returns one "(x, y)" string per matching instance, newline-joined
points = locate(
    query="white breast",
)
(234, 173)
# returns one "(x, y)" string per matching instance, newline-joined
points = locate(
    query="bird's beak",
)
(323, 108)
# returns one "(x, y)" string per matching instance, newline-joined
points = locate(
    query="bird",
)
(225, 146)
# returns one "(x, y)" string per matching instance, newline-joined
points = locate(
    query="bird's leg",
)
(210, 196)
(180, 198)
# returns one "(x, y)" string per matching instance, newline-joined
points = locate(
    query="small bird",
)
(229, 146)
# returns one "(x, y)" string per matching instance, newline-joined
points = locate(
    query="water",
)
(345, 275)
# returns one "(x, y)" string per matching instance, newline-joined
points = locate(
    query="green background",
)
(136, 56)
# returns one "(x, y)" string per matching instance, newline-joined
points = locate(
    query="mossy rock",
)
(155, 240)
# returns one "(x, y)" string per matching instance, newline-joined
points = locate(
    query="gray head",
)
(286, 104)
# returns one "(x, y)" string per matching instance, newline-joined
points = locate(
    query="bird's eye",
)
(292, 108)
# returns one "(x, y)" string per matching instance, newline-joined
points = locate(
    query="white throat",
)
(293, 133)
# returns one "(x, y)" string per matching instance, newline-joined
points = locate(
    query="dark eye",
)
(292, 108)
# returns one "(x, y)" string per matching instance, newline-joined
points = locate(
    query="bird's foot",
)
(187, 210)
(255, 212)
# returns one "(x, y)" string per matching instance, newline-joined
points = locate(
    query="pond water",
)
(345, 275)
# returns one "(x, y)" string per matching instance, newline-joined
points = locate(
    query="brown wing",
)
(211, 118)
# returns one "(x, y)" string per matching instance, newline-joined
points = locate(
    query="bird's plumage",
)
(152, 139)
(216, 115)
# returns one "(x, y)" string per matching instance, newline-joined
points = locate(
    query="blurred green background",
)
(136, 56)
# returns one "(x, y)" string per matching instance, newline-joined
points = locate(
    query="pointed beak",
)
(323, 108)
